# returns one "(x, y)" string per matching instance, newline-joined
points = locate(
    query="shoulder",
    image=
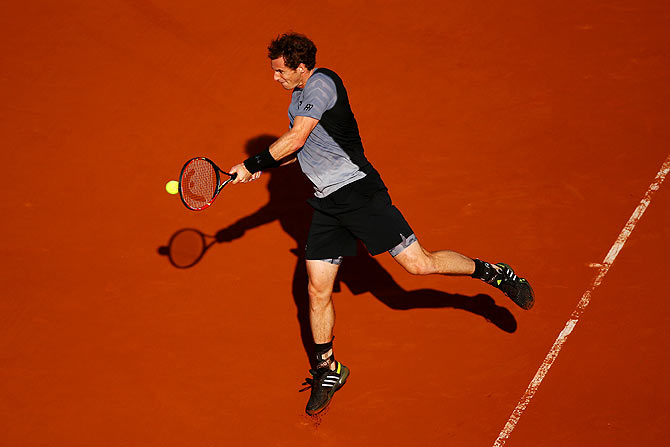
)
(327, 72)
(321, 80)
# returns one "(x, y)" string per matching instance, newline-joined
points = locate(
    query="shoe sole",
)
(531, 300)
(340, 384)
(527, 305)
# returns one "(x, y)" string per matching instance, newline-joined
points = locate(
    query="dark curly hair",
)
(295, 48)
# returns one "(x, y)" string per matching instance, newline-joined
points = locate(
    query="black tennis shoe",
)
(518, 289)
(324, 383)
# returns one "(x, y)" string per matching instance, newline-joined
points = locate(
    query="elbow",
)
(297, 146)
(297, 142)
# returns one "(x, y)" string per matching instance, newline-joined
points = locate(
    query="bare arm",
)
(285, 146)
(294, 139)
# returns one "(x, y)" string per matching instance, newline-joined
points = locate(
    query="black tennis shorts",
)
(360, 210)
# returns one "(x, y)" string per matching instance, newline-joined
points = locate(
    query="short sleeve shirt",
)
(325, 162)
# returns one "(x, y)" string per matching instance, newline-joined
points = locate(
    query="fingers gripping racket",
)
(200, 182)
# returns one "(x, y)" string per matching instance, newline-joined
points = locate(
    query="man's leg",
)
(419, 261)
(321, 310)
(328, 375)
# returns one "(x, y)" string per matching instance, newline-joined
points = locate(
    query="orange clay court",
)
(522, 132)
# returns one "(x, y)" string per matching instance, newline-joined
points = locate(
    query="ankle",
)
(484, 271)
(324, 356)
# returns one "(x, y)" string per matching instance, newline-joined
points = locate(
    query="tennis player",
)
(350, 202)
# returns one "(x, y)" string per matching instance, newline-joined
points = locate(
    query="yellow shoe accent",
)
(339, 366)
(499, 281)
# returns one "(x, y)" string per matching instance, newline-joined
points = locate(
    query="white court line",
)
(583, 303)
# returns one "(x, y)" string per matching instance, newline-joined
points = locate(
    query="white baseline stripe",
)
(583, 303)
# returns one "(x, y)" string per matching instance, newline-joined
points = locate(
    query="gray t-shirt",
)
(333, 154)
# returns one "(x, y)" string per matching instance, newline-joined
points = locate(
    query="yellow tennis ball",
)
(172, 187)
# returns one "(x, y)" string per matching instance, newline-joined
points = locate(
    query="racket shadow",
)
(187, 247)
(289, 189)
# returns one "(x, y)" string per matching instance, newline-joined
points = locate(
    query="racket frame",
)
(218, 171)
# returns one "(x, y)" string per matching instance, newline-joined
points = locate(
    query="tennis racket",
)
(200, 182)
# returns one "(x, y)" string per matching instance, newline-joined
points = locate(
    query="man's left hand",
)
(243, 175)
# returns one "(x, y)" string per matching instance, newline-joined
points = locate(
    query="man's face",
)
(287, 77)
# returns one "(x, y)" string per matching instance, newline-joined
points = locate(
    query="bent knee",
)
(418, 267)
(415, 259)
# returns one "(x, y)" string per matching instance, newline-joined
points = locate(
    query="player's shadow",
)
(289, 189)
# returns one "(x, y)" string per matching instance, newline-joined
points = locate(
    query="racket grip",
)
(233, 176)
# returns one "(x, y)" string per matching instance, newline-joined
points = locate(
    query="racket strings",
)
(199, 183)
